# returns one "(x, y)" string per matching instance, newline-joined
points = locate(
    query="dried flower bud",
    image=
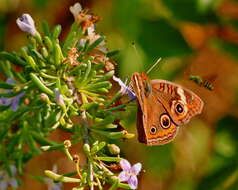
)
(113, 149)
(27, 101)
(76, 158)
(67, 144)
(76, 9)
(26, 24)
(44, 97)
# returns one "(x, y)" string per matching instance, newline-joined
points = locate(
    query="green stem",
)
(86, 141)
(62, 178)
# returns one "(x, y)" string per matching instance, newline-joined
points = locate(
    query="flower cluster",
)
(65, 86)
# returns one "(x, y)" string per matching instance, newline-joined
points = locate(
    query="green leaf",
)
(12, 58)
(52, 119)
(94, 44)
(56, 31)
(114, 185)
(109, 159)
(10, 94)
(41, 85)
(4, 69)
(5, 85)
(45, 28)
(72, 37)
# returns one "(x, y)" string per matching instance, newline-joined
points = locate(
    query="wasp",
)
(202, 82)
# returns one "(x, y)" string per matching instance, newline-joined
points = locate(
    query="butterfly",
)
(163, 107)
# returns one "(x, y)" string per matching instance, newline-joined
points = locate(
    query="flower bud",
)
(26, 24)
(69, 92)
(86, 148)
(76, 158)
(76, 9)
(113, 149)
(44, 97)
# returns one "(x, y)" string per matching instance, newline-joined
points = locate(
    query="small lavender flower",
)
(129, 173)
(27, 24)
(51, 185)
(124, 88)
(13, 101)
(6, 180)
(59, 98)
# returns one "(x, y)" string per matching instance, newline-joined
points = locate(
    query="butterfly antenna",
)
(153, 66)
(135, 49)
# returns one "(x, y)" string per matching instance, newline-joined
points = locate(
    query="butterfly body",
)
(163, 107)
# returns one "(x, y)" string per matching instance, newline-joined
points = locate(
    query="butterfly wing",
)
(154, 124)
(181, 103)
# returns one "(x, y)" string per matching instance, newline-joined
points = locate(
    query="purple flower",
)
(26, 24)
(7, 180)
(51, 185)
(59, 98)
(12, 101)
(129, 173)
(124, 88)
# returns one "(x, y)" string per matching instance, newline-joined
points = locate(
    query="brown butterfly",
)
(163, 107)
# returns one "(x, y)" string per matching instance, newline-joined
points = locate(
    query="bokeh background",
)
(193, 37)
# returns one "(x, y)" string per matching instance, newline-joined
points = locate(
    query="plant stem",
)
(86, 141)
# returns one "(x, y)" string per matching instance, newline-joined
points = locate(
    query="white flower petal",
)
(123, 176)
(125, 165)
(133, 182)
(135, 169)
(76, 9)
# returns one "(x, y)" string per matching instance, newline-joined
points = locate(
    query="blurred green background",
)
(193, 37)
